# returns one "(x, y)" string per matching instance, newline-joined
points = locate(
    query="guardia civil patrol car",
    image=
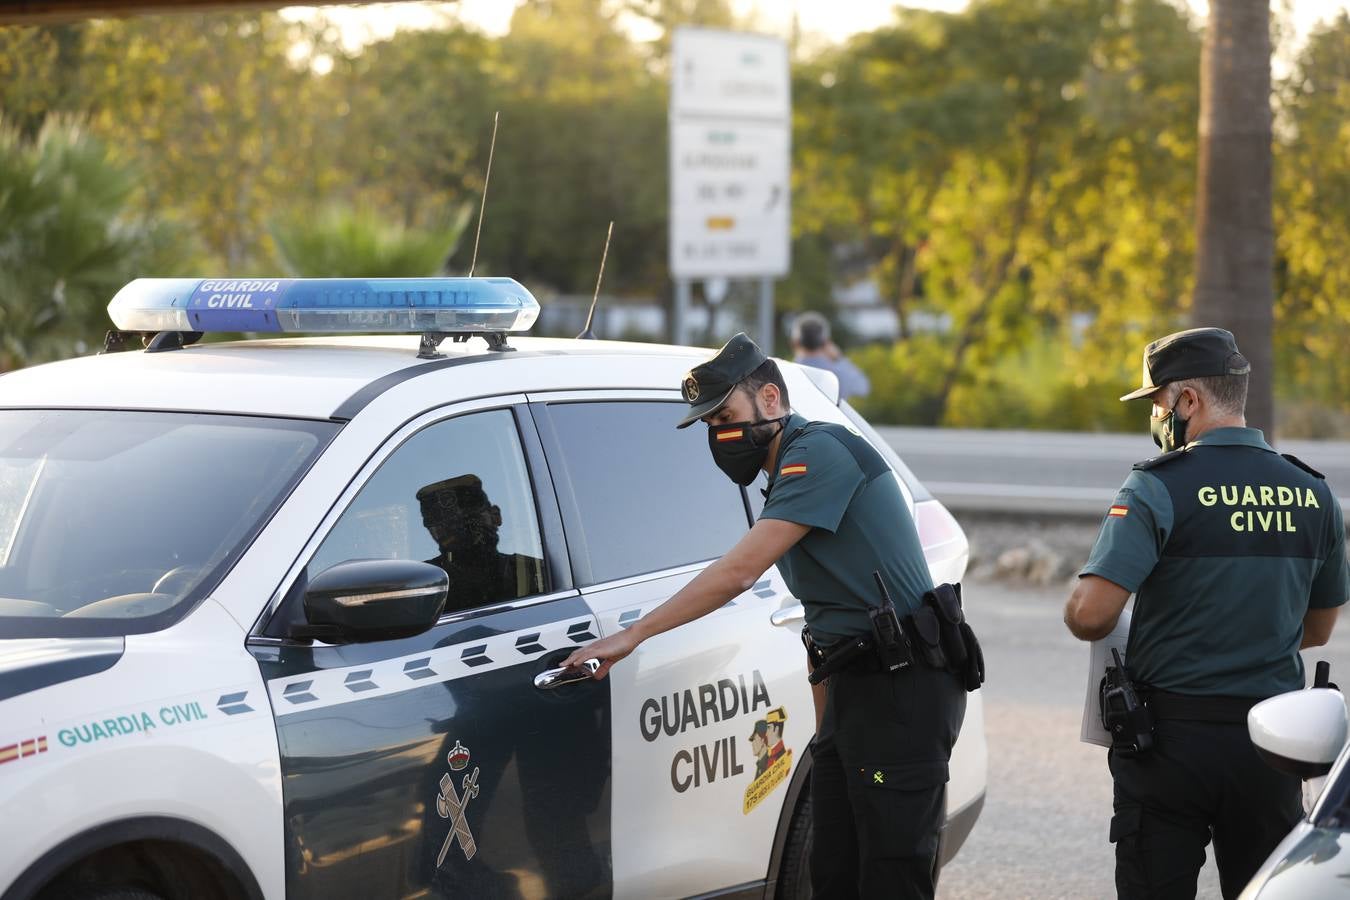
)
(284, 617)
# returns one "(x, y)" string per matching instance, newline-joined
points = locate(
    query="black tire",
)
(794, 878)
(110, 893)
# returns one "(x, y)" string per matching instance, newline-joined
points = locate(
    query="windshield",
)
(117, 522)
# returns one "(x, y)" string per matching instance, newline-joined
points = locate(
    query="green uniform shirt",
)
(1226, 544)
(829, 478)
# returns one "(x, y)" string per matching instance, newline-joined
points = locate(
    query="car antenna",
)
(482, 204)
(586, 333)
(496, 340)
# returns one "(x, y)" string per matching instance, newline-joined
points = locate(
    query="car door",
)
(709, 720)
(432, 765)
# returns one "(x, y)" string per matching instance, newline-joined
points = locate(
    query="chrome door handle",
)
(556, 678)
(788, 615)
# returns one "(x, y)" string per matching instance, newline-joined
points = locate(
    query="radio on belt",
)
(892, 646)
(450, 306)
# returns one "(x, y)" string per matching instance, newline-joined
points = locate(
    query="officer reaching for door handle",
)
(834, 515)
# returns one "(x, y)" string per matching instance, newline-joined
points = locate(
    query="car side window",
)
(649, 496)
(457, 495)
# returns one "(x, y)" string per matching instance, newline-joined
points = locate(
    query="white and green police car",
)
(282, 617)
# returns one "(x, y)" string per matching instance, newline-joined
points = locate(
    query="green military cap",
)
(708, 386)
(1197, 353)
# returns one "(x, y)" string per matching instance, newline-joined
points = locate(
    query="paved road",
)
(1044, 827)
(1053, 472)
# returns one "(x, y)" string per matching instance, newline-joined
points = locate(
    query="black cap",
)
(1197, 353)
(460, 492)
(708, 386)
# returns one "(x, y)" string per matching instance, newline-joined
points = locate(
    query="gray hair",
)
(1226, 393)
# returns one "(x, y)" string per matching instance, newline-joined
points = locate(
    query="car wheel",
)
(794, 879)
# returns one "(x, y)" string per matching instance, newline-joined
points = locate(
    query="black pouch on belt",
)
(959, 644)
(945, 600)
(925, 635)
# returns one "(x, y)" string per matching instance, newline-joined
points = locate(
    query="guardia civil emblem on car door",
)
(773, 760)
(453, 805)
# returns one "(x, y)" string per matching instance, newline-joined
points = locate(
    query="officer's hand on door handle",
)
(608, 650)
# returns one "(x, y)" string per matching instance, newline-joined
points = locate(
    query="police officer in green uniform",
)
(1236, 557)
(834, 514)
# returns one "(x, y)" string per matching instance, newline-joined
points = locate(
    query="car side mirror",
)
(1301, 732)
(373, 600)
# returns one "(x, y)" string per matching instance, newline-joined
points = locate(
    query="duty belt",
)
(855, 653)
(1197, 708)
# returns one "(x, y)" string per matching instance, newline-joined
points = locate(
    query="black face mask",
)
(1169, 431)
(739, 449)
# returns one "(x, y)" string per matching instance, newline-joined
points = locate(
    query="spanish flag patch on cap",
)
(794, 469)
(1119, 512)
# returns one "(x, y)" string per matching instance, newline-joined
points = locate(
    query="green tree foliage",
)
(228, 128)
(68, 242)
(1312, 229)
(1028, 182)
(340, 242)
(1018, 179)
(39, 72)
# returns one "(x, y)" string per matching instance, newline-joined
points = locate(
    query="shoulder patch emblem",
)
(794, 469)
(1119, 512)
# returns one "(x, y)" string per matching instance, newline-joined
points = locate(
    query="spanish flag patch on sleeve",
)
(1119, 512)
(794, 469)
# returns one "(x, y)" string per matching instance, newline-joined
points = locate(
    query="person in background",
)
(811, 346)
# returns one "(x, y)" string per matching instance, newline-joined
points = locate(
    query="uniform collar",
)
(794, 424)
(1233, 437)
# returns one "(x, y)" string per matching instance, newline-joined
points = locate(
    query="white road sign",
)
(729, 203)
(730, 208)
(728, 73)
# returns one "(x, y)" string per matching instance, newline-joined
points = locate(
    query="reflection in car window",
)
(649, 495)
(456, 495)
(113, 522)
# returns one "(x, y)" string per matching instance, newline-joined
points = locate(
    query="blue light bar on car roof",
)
(371, 305)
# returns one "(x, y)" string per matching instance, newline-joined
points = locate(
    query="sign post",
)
(730, 164)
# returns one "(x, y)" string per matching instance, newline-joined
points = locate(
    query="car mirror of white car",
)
(1302, 732)
(373, 600)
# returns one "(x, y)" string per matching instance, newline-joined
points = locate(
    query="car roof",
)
(293, 377)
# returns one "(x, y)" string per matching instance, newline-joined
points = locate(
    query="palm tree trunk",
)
(1235, 237)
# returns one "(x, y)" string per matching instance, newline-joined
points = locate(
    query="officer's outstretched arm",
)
(733, 574)
(1093, 607)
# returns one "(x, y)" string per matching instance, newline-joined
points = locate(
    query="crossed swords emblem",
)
(451, 805)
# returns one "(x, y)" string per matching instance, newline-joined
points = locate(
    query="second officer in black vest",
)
(834, 515)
